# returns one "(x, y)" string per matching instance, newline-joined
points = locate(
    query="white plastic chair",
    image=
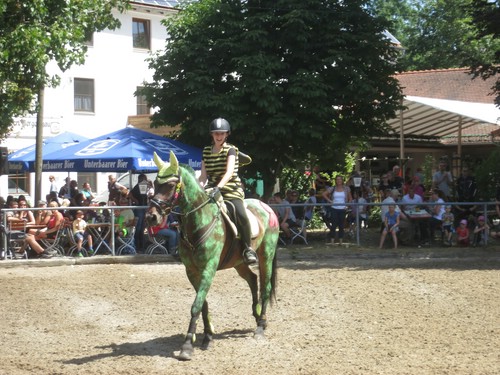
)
(299, 232)
(126, 243)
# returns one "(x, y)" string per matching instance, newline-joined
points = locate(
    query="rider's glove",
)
(214, 193)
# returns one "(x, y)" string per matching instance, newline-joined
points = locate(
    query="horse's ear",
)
(174, 163)
(159, 163)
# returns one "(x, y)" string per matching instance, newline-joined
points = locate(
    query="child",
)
(481, 232)
(391, 225)
(79, 226)
(448, 219)
(463, 234)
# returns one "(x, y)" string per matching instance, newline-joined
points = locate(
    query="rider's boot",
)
(249, 255)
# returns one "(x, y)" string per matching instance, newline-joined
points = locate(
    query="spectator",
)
(79, 232)
(463, 234)
(359, 209)
(442, 180)
(115, 189)
(338, 195)
(411, 201)
(50, 231)
(13, 215)
(52, 197)
(496, 232)
(170, 230)
(437, 211)
(64, 191)
(285, 215)
(481, 232)
(53, 185)
(27, 216)
(292, 196)
(42, 216)
(395, 179)
(383, 186)
(87, 193)
(309, 210)
(139, 197)
(124, 219)
(466, 192)
(448, 222)
(391, 225)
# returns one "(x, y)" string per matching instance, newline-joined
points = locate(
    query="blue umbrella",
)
(127, 149)
(24, 159)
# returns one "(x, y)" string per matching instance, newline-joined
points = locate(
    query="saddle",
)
(229, 216)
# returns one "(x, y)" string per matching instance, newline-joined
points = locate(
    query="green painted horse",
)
(208, 245)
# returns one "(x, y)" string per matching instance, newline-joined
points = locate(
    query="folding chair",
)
(15, 236)
(299, 231)
(56, 243)
(126, 243)
(157, 243)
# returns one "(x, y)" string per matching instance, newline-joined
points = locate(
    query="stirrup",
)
(249, 256)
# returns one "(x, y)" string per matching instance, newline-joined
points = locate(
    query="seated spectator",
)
(495, 232)
(391, 225)
(27, 216)
(124, 219)
(285, 215)
(13, 216)
(50, 231)
(359, 209)
(383, 186)
(411, 200)
(87, 193)
(448, 221)
(463, 234)
(395, 179)
(169, 229)
(42, 216)
(292, 196)
(309, 210)
(80, 232)
(481, 232)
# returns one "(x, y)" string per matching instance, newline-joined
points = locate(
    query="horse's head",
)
(167, 189)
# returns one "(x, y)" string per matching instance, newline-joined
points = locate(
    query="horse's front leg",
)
(208, 328)
(201, 284)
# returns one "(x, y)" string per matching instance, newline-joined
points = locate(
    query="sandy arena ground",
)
(334, 315)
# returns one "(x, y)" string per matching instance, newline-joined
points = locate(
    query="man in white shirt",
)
(411, 200)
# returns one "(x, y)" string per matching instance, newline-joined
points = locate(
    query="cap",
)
(480, 218)
(41, 202)
(395, 191)
(463, 221)
(79, 212)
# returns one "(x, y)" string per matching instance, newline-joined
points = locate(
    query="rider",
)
(220, 167)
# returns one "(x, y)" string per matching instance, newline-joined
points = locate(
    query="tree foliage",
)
(34, 32)
(437, 33)
(295, 78)
(486, 19)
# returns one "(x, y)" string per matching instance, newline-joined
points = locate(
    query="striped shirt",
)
(216, 164)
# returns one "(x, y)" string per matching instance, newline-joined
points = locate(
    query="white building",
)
(98, 97)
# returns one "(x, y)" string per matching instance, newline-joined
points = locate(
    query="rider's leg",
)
(249, 255)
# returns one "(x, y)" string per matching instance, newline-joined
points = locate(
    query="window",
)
(84, 95)
(142, 105)
(141, 33)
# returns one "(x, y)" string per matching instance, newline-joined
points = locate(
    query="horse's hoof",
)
(185, 356)
(207, 342)
(259, 333)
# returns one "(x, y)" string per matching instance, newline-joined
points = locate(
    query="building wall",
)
(117, 70)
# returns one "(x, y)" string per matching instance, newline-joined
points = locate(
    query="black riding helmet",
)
(219, 125)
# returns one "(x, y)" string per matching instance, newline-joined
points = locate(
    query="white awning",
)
(440, 117)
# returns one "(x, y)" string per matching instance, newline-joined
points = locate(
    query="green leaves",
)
(32, 33)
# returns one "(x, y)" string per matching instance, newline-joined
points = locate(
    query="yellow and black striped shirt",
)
(216, 164)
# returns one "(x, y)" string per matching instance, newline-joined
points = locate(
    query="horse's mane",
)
(189, 174)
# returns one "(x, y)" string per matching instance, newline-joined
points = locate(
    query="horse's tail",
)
(274, 279)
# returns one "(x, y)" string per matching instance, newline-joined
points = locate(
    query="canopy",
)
(24, 159)
(441, 117)
(127, 149)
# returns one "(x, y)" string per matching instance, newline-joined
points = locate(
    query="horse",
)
(208, 244)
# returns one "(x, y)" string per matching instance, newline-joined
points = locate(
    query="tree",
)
(486, 19)
(296, 79)
(436, 33)
(34, 32)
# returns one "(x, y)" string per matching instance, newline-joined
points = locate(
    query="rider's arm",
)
(203, 176)
(231, 161)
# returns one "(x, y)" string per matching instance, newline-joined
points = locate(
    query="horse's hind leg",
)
(246, 273)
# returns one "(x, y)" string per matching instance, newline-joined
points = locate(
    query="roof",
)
(159, 3)
(450, 84)
(437, 101)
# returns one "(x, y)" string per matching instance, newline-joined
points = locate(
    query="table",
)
(417, 218)
(100, 232)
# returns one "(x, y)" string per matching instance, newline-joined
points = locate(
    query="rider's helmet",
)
(219, 125)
